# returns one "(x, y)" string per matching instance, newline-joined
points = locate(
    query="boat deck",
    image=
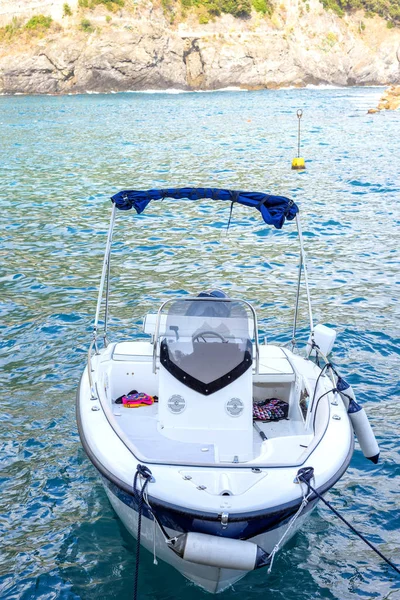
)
(286, 440)
(130, 366)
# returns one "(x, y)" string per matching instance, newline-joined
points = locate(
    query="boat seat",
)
(274, 377)
(274, 367)
(136, 351)
(149, 324)
(131, 368)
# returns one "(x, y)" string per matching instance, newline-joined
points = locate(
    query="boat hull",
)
(261, 515)
(210, 578)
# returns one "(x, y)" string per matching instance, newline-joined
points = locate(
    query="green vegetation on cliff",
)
(208, 9)
(67, 11)
(36, 26)
(204, 10)
(110, 4)
(387, 9)
(237, 8)
(39, 22)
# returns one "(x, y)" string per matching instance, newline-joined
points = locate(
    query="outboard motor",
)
(207, 309)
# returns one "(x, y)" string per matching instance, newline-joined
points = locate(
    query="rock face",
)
(389, 101)
(141, 50)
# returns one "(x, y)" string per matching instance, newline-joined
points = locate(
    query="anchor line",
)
(324, 368)
(292, 521)
(304, 476)
(146, 474)
(168, 539)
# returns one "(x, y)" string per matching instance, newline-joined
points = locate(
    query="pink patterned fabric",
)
(271, 409)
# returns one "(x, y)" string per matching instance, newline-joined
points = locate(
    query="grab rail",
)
(304, 264)
(105, 274)
(93, 395)
(204, 299)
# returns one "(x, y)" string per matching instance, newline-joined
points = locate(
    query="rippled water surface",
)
(61, 159)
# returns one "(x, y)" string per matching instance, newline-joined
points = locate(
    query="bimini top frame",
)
(275, 210)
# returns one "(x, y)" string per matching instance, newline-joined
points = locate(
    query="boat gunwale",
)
(134, 450)
(234, 517)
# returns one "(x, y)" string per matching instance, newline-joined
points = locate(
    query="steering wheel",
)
(200, 336)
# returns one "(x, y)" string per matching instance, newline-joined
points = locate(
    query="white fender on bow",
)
(360, 422)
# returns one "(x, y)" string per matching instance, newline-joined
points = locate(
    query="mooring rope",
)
(292, 521)
(304, 476)
(146, 474)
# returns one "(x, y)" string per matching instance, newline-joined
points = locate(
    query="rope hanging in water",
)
(146, 474)
(298, 163)
(304, 476)
(304, 502)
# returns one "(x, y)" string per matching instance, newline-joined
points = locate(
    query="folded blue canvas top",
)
(274, 209)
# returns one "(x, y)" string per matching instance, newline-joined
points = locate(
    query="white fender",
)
(359, 420)
(214, 551)
(324, 337)
(364, 433)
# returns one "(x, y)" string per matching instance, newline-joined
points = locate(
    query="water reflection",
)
(63, 157)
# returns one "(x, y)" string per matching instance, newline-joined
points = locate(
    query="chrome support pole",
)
(157, 334)
(107, 297)
(303, 257)
(296, 309)
(104, 272)
(93, 395)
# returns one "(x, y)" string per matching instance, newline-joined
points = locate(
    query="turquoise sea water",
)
(61, 159)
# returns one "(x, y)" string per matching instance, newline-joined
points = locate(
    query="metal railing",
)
(203, 299)
(105, 281)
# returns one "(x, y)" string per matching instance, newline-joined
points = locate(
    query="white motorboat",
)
(204, 438)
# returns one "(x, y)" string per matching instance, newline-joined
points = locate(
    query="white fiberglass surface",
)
(140, 425)
(286, 439)
(147, 430)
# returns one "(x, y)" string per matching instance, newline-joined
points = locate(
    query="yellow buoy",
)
(298, 163)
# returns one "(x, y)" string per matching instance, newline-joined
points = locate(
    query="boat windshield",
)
(207, 342)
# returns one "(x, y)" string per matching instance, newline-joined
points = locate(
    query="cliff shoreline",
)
(142, 51)
(177, 91)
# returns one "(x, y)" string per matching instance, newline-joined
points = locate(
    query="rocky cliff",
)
(389, 101)
(136, 47)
